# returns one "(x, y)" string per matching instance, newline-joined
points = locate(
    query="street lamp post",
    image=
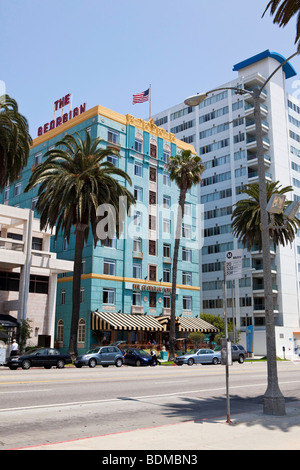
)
(273, 401)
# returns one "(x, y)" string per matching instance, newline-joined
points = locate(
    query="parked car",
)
(199, 356)
(102, 355)
(238, 353)
(137, 357)
(43, 357)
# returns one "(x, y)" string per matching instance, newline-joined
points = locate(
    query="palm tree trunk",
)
(79, 244)
(174, 272)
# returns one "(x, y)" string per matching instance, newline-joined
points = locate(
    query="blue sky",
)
(104, 51)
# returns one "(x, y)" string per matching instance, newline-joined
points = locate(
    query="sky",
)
(104, 51)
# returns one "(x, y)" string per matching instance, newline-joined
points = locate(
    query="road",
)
(40, 406)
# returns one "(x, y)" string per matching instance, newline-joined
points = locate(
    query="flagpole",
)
(149, 102)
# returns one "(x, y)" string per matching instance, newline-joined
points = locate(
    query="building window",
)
(109, 267)
(138, 169)
(152, 299)
(81, 331)
(138, 218)
(138, 145)
(167, 275)
(137, 271)
(137, 245)
(152, 272)
(153, 150)
(166, 226)
(186, 231)
(108, 296)
(166, 202)
(152, 174)
(112, 136)
(34, 203)
(63, 296)
(81, 295)
(152, 247)
(136, 298)
(6, 194)
(166, 179)
(186, 254)
(17, 189)
(152, 197)
(187, 278)
(37, 159)
(167, 301)
(152, 222)
(166, 250)
(166, 156)
(66, 244)
(113, 159)
(138, 193)
(110, 243)
(60, 331)
(187, 302)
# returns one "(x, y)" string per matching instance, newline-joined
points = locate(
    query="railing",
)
(11, 244)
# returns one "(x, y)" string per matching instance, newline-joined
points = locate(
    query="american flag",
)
(141, 97)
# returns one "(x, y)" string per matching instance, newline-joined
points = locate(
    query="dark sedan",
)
(44, 357)
(137, 357)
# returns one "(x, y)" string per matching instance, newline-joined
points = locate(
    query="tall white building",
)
(222, 131)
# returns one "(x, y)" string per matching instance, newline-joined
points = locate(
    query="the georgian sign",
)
(65, 116)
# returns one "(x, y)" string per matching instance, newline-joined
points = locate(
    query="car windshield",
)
(35, 351)
(93, 351)
(141, 352)
(192, 351)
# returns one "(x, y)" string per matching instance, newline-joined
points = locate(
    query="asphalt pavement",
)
(247, 431)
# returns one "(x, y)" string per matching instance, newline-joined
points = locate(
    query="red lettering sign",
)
(65, 117)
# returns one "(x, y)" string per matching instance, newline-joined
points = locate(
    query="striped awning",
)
(188, 324)
(124, 321)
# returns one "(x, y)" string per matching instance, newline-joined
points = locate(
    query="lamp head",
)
(195, 100)
(292, 210)
(276, 204)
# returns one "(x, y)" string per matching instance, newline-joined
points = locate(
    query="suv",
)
(238, 353)
(103, 355)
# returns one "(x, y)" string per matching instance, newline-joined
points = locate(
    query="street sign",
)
(233, 264)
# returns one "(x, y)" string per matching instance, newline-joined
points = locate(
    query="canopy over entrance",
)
(124, 321)
(188, 324)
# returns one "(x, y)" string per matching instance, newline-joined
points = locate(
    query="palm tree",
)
(185, 169)
(15, 141)
(246, 218)
(73, 183)
(284, 10)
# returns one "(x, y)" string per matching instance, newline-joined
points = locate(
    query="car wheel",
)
(13, 367)
(119, 362)
(241, 359)
(47, 367)
(138, 363)
(92, 363)
(26, 364)
(60, 364)
(190, 361)
(78, 366)
(215, 360)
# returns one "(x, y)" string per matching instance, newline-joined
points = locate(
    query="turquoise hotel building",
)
(126, 284)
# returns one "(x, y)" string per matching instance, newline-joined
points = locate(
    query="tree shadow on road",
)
(246, 410)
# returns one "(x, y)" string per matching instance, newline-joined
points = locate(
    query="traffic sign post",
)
(232, 271)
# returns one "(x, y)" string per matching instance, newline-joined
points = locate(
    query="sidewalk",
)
(249, 431)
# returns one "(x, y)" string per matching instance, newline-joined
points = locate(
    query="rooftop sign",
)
(65, 116)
